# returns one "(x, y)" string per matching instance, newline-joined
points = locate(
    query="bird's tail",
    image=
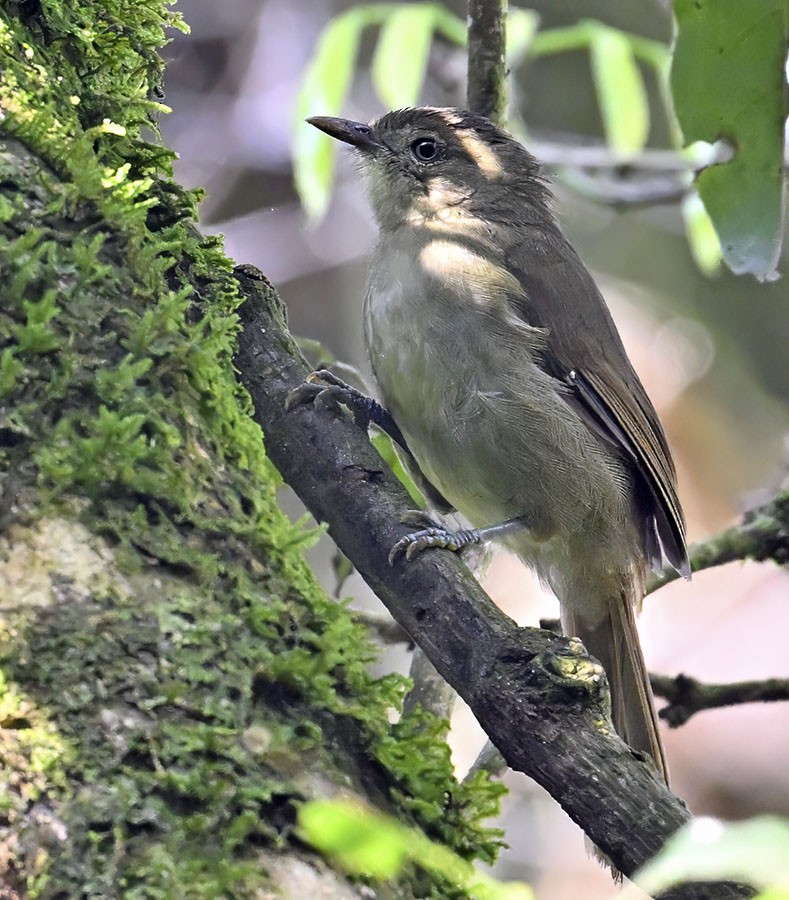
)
(614, 642)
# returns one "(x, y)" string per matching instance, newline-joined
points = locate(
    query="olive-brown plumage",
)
(498, 359)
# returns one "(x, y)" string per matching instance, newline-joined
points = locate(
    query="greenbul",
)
(502, 375)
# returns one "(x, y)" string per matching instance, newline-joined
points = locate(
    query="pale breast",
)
(487, 425)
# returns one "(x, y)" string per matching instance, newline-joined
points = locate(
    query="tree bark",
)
(174, 682)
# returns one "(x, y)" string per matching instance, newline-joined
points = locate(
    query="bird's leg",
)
(326, 390)
(436, 536)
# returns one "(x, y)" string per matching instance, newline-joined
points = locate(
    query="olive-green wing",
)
(639, 434)
(584, 350)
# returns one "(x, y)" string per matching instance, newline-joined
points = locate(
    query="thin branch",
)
(615, 190)
(522, 684)
(488, 760)
(487, 63)
(687, 696)
(600, 156)
(430, 692)
(386, 629)
(762, 535)
(651, 178)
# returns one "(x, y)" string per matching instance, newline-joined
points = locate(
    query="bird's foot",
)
(325, 390)
(431, 536)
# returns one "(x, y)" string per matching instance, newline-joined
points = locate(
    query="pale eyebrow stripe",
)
(478, 150)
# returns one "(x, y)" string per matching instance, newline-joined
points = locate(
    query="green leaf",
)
(702, 237)
(754, 852)
(318, 356)
(402, 53)
(620, 90)
(365, 842)
(385, 447)
(521, 28)
(774, 894)
(453, 28)
(361, 841)
(727, 80)
(326, 83)
(562, 40)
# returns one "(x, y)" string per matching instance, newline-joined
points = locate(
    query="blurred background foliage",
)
(711, 350)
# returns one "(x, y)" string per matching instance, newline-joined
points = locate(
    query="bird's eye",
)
(425, 149)
(363, 129)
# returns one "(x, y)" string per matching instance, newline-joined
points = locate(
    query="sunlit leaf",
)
(326, 83)
(401, 55)
(620, 91)
(755, 852)
(728, 82)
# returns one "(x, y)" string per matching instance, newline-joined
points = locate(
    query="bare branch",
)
(687, 696)
(613, 189)
(540, 700)
(487, 64)
(600, 156)
(430, 692)
(653, 177)
(386, 629)
(762, 535)
(488, 760)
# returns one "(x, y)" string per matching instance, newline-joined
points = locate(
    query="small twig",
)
(600, 156)
(385, 628)
(687, 696)
(488, 760)
(651, 178)
(430, 691)
(763, 534)
(618, 191)
(487, 64)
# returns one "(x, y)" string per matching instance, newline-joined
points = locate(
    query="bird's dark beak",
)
(357, 134)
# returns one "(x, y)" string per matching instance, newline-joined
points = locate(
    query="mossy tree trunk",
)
(173, 683)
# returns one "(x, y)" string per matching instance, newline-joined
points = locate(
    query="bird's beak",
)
(357, 134)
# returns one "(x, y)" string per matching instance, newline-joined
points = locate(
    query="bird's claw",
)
(326, 391)
(322, 397)
(302, 395)
(432, 538)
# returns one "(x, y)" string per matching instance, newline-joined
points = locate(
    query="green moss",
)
(204, 692)
(415, 752)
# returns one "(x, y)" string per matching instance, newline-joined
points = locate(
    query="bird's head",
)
(439, 164)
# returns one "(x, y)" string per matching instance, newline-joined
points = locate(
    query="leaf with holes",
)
(728, 83)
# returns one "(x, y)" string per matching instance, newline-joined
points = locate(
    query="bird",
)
(504, 380)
